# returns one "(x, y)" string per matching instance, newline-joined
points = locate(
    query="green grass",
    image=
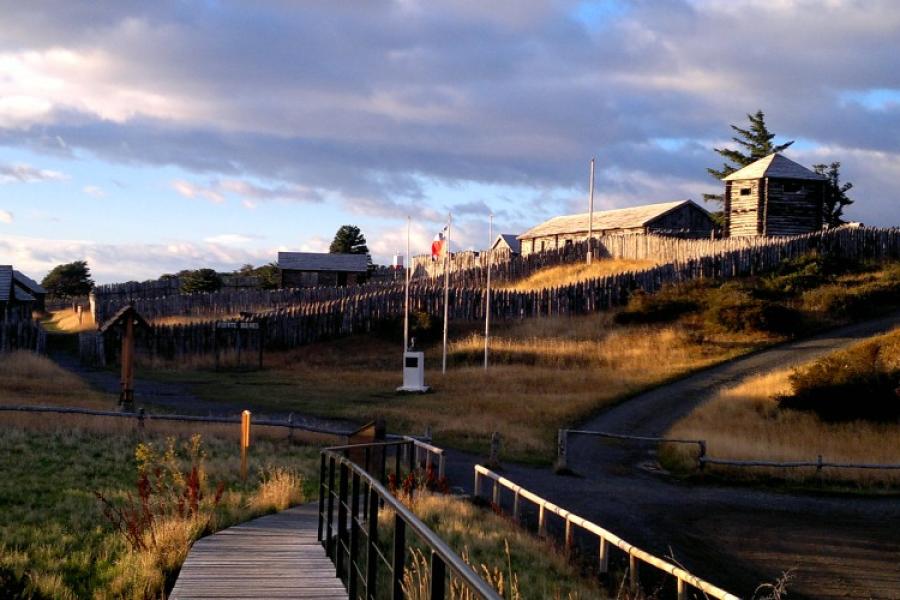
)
(54, 540)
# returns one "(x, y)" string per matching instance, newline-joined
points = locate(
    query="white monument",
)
(413, 373)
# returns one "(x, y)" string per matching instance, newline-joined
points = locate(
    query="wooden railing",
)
(607, 539)
(350, 500)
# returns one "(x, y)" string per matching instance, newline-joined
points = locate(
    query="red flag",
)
(439, 245)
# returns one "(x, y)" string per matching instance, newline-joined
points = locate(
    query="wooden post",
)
(245, 442)
(542, 520)
(126, 397)
(603, 556)
(682, 589)
(633, 573)
(590, 253)
(561, 450)
(494, 458)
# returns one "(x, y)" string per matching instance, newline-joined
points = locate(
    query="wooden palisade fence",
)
(364, 309)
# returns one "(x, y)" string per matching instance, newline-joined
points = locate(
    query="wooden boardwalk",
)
(276, 556)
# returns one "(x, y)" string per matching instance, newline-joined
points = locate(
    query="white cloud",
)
(190, 190)
(94, 191)
(315, 244)
(23, 173)
(6, 217)
(230, 239)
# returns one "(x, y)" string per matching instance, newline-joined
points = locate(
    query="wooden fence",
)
(360, 312)
(22, 335)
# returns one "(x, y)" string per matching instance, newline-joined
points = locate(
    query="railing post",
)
(542, 523)
(321, 496)
(354, 535)
(569, 534)
(438, 573)
(496, 494)
(603, 555)
(412, 456)
(441, 466)
(516, 505)
(477, 483)
(399, 558)
(329, 548)
(633, 572)
(682, 589)
(342, 523)
(371, 552)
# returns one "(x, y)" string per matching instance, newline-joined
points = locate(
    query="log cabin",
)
(682, 218)
(774, 196)
(310, 269)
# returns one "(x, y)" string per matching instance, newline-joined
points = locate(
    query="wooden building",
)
(507, 242)
(16, 299)
(683, 218)
(309, 269)
(32, 288)
(774, 196)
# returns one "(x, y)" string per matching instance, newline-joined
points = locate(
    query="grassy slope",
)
(66, 321)
(745, 423)
(26, 378)
(573, 273)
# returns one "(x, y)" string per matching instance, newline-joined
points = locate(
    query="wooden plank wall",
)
(289, 327)
(22, 335)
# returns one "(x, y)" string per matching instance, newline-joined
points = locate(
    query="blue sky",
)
(152, 137)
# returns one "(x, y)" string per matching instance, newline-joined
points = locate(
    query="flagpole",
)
(487, 302)
(406, 305)
(590, 251)
(447, 264)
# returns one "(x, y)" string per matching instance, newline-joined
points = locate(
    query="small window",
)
(745, 191)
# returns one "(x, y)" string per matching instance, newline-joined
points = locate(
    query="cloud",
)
(249, 193)
(94, 191)
(6, 217)
(231, 239)
(22, 173)
(190, 190)
(315, 244)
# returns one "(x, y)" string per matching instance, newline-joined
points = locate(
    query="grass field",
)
(27, 378)
(66, 321)
(745, 422)
(573, 273)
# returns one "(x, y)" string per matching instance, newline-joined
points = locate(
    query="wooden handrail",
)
(682, 575)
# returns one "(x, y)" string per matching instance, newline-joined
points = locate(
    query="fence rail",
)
(350, 500)
(819, 464)
(606, 538)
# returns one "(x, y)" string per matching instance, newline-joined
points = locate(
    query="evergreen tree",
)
(69, 280)
(755, 142)
(349, 240)
(835, 193)
(201, 280)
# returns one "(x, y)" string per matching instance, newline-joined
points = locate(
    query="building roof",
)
(6, 274)
(619, 218)
(323, 261)
(21, 295)
(510, 240)
(24, 280)
(774, 165)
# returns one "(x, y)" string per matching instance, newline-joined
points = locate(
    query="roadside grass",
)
(573, 273)
(66, 321)
(28, 378)
(746, 422)
(188, 319)
(518, 564)
(54, 540)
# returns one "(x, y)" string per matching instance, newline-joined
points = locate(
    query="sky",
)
(150, 137)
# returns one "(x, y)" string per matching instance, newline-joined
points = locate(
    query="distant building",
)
(774, 196)
(309, 269)
(19, 295)
(683, 218)
(508, 242)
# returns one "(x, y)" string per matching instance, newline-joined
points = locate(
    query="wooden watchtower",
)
(774, 196)
(126, 318)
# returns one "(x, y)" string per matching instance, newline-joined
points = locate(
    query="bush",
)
(424, 327)
(665, 306)
(866, 300)
(736, 309)
(860, 383)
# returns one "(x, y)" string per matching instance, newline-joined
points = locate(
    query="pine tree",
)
(349, 240)
(69, 280)
(755, 143)
(835, 193)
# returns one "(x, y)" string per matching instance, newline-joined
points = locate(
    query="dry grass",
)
(188, 319)
(28, 378)
(744, 422)
(568, 274)
(66, 321)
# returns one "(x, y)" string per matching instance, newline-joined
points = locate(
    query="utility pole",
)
(590, 240)
(487, 302)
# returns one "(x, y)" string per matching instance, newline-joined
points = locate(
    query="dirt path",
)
(736, 537)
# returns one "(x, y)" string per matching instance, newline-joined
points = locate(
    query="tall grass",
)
(66, 321)
(569, 274)
(745, 422)
(28, 378)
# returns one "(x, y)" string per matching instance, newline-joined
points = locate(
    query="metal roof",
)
(21, 295)
(510, 239)
(774, 165)
(619, 218)
(6, 274)
(322, 261)
(28, 282)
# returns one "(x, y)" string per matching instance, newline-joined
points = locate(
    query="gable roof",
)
(619, 218)
(510, 240)
(21, 295)
(5, 282)
(323, 261)
(774, 165)
(25, 281)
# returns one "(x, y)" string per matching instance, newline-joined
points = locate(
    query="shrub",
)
(665, 306)
(422, 326)
(866, 300)
(735, 309)
(860, 383)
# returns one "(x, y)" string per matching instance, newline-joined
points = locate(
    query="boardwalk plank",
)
(276, 556)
